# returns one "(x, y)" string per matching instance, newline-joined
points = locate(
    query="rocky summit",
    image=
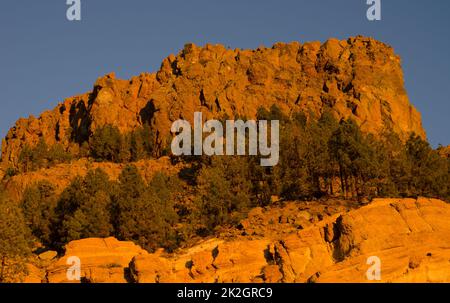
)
(359, 78)
(409, 236)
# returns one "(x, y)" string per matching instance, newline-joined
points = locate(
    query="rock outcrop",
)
(276, 220)
(101, 260)
(359, 78)
(409, 236)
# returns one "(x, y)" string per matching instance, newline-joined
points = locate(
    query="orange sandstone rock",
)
(409, 236)
(102, 260)
(358, 77)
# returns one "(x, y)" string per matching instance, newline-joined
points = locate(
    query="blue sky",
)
(44, 58)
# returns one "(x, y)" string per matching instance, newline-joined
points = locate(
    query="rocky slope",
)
(61, 175)
(359, 78)
(410, 236)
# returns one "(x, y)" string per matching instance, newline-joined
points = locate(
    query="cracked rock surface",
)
(411, 237)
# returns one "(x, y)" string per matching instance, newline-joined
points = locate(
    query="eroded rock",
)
(410, 237)
(358, 77)
(102, 260)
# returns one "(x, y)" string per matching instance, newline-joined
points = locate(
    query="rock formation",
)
(318, 241)
(359, 78)
(102, 260)
(61, 175)
(410, 236)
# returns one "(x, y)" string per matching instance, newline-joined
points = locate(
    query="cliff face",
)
(410, 237)
(359, 78)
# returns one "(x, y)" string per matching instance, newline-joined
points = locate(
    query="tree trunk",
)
(342, 180)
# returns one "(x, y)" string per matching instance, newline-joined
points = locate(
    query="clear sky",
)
(44, 58)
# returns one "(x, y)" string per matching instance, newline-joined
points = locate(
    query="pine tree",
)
(224, 193)
(214, 198)
(351, 152)
(428, 175)
(319, 163)
(146, 214)
(14, 245)
(106, 144)
(130, 189)
(148, 138)
(292, 171)
(91, 219)
(155, 215)
(392, 163)
(85, 208)
(137, 148)
(38, 204)
(26, 159)
(131, 183)
(40, 154)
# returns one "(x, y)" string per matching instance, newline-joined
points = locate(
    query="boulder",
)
(102, 260)
(48, 255)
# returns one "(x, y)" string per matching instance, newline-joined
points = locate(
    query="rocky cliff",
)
(358, 77)
(409, 236)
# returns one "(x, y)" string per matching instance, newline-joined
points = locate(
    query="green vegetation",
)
(325, 157)
(95, 206)
(42, 156)
(223, 193)
(145, 214)
(319, 157)
(39, 202)
(84, 208)
(14, 244)
(106, 144)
